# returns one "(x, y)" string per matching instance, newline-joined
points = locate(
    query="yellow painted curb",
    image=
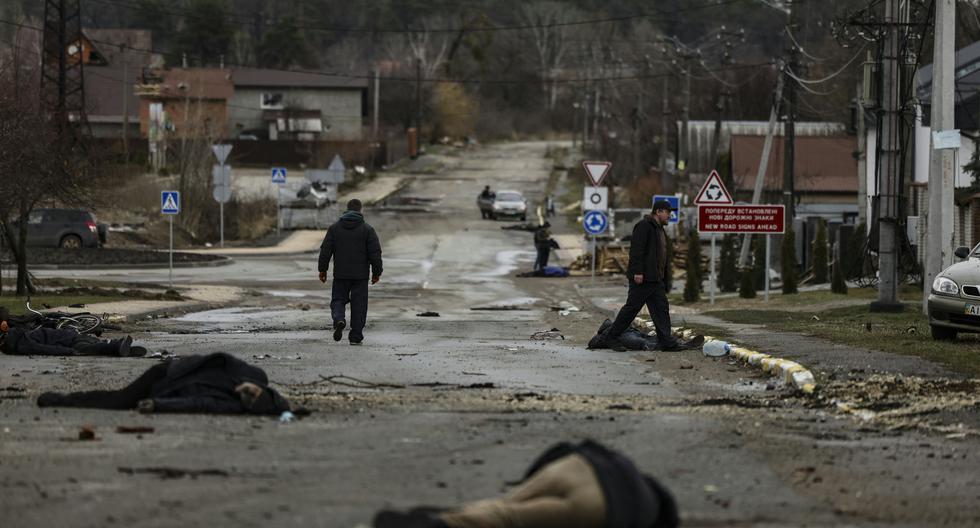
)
(790, 372)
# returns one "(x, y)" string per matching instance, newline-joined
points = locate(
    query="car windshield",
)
(509, 197)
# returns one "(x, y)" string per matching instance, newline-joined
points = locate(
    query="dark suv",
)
(66, 228)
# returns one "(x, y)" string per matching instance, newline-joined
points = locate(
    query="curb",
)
(791, 372)
(200, 264)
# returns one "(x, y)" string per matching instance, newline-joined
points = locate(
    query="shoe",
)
(356, 341)
(125, 346)
(414, 519)
(137, 351)
(338, 329)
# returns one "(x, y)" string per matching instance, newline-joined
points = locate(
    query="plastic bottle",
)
(716, 348)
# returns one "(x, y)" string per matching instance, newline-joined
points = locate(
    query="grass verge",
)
(18, 305)
(904, 333)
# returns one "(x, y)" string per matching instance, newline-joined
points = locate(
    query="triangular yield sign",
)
(713, 192)
(596, 171)
(221, 152)
(337, 164)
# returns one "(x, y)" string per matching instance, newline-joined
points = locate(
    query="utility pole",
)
(665, 135)
(418, 99)
(789, 133)
(889, 165)
(939, 213)
(685, 146)
(377, 102)
(125, 103)
(862, 159)
(595, 116)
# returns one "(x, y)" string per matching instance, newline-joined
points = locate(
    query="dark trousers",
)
(654, 296)
(544, 253)
(355, 292)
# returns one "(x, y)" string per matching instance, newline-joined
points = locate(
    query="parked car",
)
(954, 304)
(509, 203)
(65, 228)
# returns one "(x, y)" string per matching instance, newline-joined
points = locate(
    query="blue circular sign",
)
(595, 222)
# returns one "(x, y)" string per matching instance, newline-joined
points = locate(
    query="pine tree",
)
(692, 286)
(820, 254)
(789, 262)
(837, 283)
(746, 288)
(728, 275)
(758, 269)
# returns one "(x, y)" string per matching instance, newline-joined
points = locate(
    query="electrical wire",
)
(339, 29)
(800, 47)
(827, 78)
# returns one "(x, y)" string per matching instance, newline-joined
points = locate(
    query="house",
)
(113, 61)
(307, 106)
(185, 102)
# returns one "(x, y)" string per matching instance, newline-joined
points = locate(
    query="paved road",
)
(478, 400)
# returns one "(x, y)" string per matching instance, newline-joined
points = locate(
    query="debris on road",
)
(135, 429)
(287, 417)
(427, 314)
(87, 433)
(174, 473)
(554, 333)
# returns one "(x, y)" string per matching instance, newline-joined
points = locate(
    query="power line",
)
(827, 78)
(232, 17)
(409, 79)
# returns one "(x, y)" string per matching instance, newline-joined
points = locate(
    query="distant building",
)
(114, 60)
(279, 105)
(190, 102)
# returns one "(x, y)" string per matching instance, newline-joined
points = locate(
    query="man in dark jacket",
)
(649, 276)
(42, 341)
(355, 249)
(215, 383)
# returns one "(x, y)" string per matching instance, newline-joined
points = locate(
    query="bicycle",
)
(83, 323)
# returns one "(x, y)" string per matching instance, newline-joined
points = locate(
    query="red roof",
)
(824, 164)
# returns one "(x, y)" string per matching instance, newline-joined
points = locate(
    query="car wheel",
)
(70, 242)
(941, 333)
(493, 216)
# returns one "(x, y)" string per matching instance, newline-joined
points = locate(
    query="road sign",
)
(675, 206)
(742, 219)
(221, 152)
(595, 199)
(278, 174)
(595, 222)
(221, 194)
(596, 171)
(221, 175)
(170, 202)
(713, 192)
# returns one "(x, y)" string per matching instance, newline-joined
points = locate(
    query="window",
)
(271, 101)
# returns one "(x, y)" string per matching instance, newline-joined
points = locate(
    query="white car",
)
(954, 304)
(509, 203)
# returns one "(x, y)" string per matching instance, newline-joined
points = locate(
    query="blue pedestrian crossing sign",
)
(278, 174)
(170, 202)
(675, 206)
(595, 222)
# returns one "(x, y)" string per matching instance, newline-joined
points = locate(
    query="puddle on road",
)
(292, 294)
(237, 315)
(507, 262)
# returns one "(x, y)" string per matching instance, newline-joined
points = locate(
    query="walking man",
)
(649, 278)
(356, 252)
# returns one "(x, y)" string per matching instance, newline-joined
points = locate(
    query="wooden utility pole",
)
(889, 165)
(942, 163)
(125, 103)
(377, 103)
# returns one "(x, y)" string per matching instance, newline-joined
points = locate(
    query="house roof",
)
(104, 87)
(823, 164)
(138, 44)
(196, 83)
(266, 78)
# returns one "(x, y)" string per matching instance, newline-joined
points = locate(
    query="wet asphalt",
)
(440, 410)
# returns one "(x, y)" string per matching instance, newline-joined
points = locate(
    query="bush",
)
(692, 286)
(728, 275)
(789, 262)
(746, 288)
(820, 254)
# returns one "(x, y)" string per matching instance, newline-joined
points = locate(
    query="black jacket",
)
(207, 384)
(39, 342)
(354, 246)
(645, 252)
(633, 500)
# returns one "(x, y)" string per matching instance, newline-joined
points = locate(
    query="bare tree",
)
(551, 41)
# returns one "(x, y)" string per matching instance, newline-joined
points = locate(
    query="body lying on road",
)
(64, 342)
(213, 383)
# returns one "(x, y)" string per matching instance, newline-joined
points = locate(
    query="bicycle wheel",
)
(82, 323)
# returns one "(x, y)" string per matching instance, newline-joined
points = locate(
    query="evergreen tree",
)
(207, 33)
(758, 269)
(692, 286)
(284, 46)
(789, 262)
(852, 261)
(746, 288)
(837, 283)
(728, 275)
(820, 254)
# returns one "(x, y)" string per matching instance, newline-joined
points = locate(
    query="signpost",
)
(596, 171)
(170, 206)
(713, 192)
(222, 182)
(595, 199)
(278, 179)
(595, 223)
(759, 219)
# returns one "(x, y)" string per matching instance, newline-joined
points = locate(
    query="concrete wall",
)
(340, 109)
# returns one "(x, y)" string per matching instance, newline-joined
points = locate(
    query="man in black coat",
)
(356, 252)
(649, 274)
(214, 383)
(42, 341)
